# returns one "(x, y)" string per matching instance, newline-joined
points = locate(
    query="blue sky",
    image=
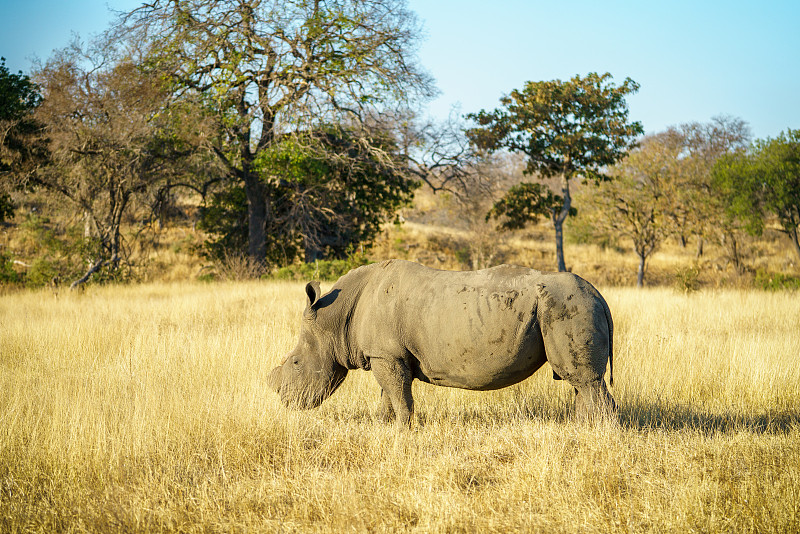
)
(693, 59)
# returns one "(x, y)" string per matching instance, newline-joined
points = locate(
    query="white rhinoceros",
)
(478, 330)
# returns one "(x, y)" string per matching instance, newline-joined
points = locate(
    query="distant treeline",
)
(292, 134)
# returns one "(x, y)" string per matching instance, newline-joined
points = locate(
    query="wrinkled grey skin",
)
(478, 330)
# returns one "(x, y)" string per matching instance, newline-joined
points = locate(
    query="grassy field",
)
(144, 408)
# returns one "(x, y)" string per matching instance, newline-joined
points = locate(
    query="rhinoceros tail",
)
(610, 342)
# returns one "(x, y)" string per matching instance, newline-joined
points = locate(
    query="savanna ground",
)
(145, 408)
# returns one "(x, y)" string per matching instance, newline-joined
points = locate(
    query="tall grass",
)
(144, 408)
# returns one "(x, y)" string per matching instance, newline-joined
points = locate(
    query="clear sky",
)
(694, 59)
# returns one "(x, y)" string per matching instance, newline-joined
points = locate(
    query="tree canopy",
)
(21, 149)
(294, 129)
(566, 130)
(763, 181)
(332, 195)
(272, 68)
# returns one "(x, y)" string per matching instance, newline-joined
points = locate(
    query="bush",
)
(327, 270)
(464, 256)
(581, 230)
(6, 208)
(688, 279)
(775, 281)
(41, 273)
(7, 273)
(237, 267)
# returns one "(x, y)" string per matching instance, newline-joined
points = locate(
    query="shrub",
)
(688, 279)
(328, 270)
(41, 273)
(237, 267)
(7, 273)
(775, 281)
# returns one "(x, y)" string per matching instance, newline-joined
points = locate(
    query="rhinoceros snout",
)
(274, 380)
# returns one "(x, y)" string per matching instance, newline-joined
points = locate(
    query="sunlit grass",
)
(145, 408)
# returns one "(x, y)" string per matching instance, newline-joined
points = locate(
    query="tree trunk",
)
(313, 252)
(257, 211)
(794, 236)
(640, 272)
(733, 251)
(699, 247)
(88, 225)
(558, 222)
(562, 266)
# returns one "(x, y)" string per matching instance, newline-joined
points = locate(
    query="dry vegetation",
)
(144, 408)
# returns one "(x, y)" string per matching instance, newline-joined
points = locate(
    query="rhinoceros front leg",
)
(385, 410)
(394, 377)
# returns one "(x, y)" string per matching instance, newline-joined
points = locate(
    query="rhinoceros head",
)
(310, 373)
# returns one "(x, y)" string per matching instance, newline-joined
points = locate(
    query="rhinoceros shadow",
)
(664, 414)
(648, 415)
(638, 414)
(635, 414)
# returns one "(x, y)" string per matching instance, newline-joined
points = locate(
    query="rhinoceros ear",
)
(313, 292)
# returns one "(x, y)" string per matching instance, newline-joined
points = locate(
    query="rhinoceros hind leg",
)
(593, 402)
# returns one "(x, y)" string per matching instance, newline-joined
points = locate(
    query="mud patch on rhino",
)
(500, 339)
(552, 311)
(505, 299)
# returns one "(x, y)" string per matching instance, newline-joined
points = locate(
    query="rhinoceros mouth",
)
(311, 395)
(299, 401)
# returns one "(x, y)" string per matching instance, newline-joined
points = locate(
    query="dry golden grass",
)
(144, 408)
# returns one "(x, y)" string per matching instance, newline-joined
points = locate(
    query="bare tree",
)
(440, 155)
(637, 203)
(111, 140)
(663, 188)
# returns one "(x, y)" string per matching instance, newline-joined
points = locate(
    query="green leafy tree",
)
(332, 195)
(268, 69)
(763, 181)
(339, 192)
(21, 148)
(732, 195)
(694, 210)
(523, 204)
(779, 170)
(18, 94)
(115, 140)
(567, 130)
(224, 216)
